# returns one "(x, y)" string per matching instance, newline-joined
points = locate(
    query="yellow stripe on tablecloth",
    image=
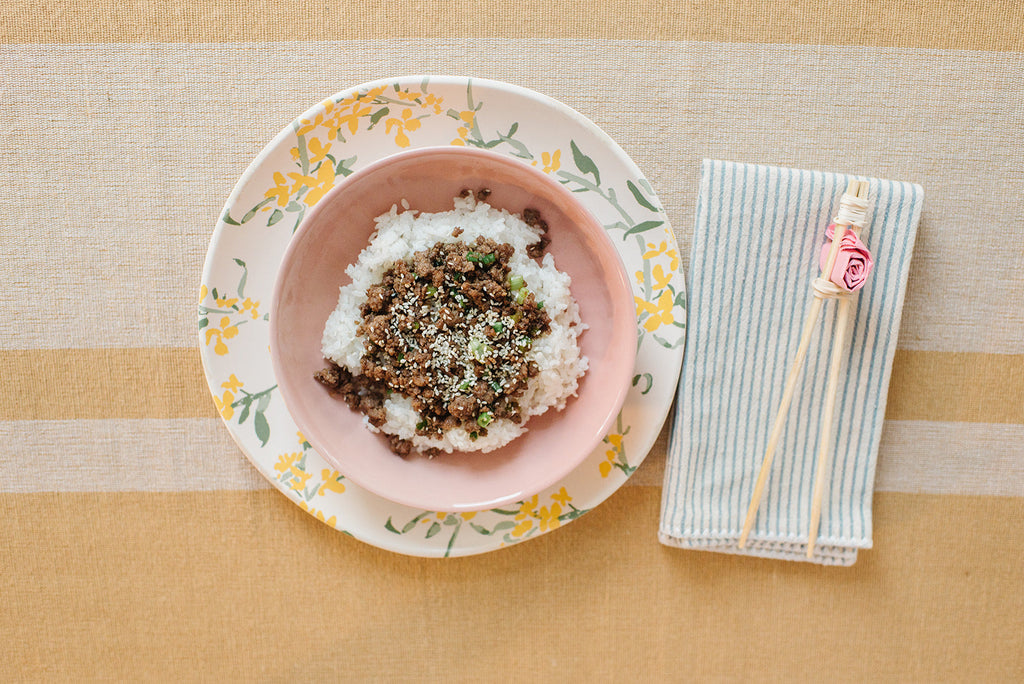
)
(940, 24)
(956, 386)
(61, 384)
(244, 585)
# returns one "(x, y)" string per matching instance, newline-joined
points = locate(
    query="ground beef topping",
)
(450, 330)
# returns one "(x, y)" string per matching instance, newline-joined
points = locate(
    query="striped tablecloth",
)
(138, 543)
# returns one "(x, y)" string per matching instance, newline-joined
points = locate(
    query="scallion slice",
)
(478, 348)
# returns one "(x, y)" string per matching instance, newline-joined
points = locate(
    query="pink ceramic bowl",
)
(331, 237)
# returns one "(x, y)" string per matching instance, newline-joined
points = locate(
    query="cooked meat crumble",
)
(449, 330)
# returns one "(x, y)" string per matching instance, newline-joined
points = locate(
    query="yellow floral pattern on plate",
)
(518, 524)
(402, 112)
(292, 472)
(221, 317)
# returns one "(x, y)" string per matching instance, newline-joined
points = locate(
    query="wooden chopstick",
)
(843, 316)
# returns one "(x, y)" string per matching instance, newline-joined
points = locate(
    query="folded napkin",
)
(756, 246)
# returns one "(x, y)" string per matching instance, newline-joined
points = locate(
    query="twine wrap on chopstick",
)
(853, 211)
(852, 216)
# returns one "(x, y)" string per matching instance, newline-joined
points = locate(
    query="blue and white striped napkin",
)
(755, 253)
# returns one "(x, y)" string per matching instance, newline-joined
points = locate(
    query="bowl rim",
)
(618, 284)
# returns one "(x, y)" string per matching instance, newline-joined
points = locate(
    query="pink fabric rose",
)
(853, 262)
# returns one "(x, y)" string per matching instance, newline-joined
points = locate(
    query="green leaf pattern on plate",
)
(512, 525)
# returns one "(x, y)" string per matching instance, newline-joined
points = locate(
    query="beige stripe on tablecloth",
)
(941, 23)
(120, 454)
(161, 455)
(245, 585)
(919, 456)
(922, 457)
(114, 257)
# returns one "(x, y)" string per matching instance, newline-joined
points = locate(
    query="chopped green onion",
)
(473, 436)
(431, 291)
(517, 316)
(488, 259)
(473, 257)
(484, 419)
(415, 325)
(478, 348)
(496, 386)
(521, 295)
(420, 425)
(540, 305)
(498, 327)
(515, 283)
(465, 385)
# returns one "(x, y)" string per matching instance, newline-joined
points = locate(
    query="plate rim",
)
(402, 544)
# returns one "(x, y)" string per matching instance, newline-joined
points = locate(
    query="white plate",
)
(348, 131)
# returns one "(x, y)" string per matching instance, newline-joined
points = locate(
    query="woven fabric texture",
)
(139, 544)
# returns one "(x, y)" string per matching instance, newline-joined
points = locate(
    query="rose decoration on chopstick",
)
(853, 261)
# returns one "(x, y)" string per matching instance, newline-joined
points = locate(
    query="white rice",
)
(399, 234)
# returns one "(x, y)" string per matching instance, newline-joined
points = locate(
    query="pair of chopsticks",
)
(852, 216)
